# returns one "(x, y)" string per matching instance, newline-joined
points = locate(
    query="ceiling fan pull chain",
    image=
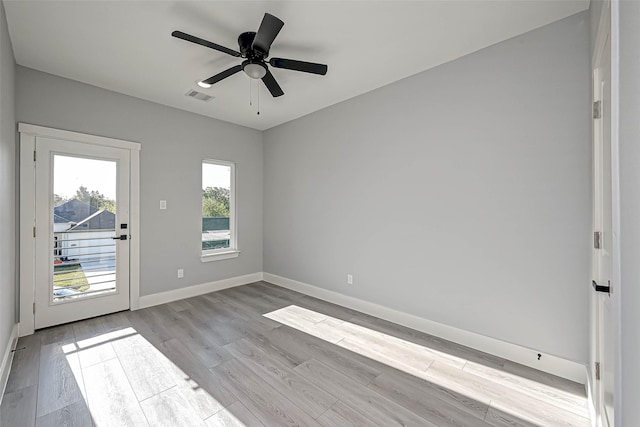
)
(258, 100)
(250, 93)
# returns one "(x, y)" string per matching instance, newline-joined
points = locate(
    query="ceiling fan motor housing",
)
(245, 42)
(254, 66)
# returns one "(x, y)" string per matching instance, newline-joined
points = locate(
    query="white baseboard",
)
(7, 358)
(548, 363)
(192, 291)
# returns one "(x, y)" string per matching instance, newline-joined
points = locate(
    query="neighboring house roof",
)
(73, 211)
(58, 219)
(84, 216)
(100, 220)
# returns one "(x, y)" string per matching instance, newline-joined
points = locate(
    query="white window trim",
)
(219, 256)
(232, 251)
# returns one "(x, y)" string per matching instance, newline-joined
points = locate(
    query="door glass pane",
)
(84, 219)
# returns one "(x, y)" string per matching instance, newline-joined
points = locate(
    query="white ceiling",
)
(126, 46)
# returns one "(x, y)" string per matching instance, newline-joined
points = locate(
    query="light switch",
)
(163, 204)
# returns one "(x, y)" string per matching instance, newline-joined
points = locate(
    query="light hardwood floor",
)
(261, 355)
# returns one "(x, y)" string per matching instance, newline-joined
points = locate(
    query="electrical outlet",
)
(180, 273)
(163, 204)
(349, 279)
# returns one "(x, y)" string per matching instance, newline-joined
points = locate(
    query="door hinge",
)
(34, 155)
(597, 109)
(597, 238)
(34, 232)
(598, 371)
(34, 308)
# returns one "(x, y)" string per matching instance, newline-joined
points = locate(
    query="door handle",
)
(600, 288)
(120, 237)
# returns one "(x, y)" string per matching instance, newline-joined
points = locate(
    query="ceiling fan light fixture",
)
(204, 85)
(255, 70)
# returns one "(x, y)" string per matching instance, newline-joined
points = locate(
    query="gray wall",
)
(174, 143)
(630, 211)
(7, 187)
(484, 165)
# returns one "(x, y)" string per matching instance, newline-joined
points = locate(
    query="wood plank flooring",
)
(261, 355)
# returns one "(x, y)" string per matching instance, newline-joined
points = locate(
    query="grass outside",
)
(70, 275)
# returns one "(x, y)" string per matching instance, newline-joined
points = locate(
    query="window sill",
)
(219, 256)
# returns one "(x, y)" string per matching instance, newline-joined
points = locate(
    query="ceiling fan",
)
(254, 47)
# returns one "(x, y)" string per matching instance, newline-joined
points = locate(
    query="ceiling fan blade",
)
(223, 75)
(269, 29)
(271, 84)
(202, 42)
(305, 67)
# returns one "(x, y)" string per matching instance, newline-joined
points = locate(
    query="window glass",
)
(218, 228)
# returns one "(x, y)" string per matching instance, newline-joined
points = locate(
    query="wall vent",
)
(199, 95)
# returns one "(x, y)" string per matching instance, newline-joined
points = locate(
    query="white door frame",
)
(28, 134)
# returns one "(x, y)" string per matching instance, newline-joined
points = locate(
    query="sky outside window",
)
(69, 173)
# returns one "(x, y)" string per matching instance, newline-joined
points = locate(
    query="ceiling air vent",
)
(199, 95)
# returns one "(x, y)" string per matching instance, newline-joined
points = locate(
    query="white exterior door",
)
(81, 230)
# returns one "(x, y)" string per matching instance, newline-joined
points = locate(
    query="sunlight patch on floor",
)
(121, 365)
(520, 397)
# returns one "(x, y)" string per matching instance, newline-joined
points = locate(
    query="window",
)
(218, 210)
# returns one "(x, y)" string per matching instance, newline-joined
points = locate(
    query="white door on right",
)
(605, 240)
